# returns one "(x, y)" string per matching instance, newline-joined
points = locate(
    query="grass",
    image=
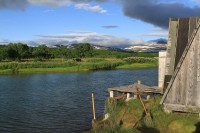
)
(120, 130)
(130, 116)
(137, 65)
(60, 65)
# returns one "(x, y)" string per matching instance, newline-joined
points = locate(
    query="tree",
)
(3, 53)
(41, 53)
(65, 52)
(23, 51)
(84, 50)
(12, 53)
(17, 51)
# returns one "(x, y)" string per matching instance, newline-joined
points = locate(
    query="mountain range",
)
(150, 46)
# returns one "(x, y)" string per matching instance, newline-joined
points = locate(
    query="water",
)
(60, 102)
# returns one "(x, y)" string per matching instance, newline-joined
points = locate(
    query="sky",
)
(102, 22)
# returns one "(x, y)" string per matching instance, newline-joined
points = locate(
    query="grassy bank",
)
(128, 117)
(60, 65)
(137, 65)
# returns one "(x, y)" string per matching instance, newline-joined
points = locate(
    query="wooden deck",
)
(131, 89)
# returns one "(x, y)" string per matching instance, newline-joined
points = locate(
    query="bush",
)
(104, 66)
(140, 59)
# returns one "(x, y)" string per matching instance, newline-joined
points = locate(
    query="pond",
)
(60, 102)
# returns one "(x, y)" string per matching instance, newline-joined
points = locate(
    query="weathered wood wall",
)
(183, 93)
(162, 64)
(171, 51)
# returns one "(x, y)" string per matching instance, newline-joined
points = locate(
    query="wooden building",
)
(182, 69)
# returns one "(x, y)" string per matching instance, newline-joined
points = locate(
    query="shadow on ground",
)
(197, 128)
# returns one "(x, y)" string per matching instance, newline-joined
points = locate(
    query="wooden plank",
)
(174, 95)
(183, 81)
(192, 26)
(194, 73)
(182, 40)
(189, 75)
(178, 89)
(169, 98)
(171, 47)
(198, 70)
(162, 64)
(182, 108)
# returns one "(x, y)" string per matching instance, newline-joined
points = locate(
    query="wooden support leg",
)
(148, 96)
(111, 94)
(128, 97)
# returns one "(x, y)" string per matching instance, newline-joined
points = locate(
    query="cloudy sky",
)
(104, 22)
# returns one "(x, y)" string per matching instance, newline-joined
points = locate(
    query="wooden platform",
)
(132, 89)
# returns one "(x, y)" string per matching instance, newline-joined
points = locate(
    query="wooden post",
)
(128, 96)
(148, 96)
(111, 94)
(139, 82)
(93, 108)
(145, 110)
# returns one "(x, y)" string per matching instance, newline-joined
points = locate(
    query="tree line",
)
(20, 51)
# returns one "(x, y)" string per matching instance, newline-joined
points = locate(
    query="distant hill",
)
(150, 46)
(99, 47)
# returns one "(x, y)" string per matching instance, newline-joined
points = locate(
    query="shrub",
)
(140, 59)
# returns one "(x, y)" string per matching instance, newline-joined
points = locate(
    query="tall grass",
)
(24, 65)
(87, 64)
(140, 59)
(104, 66)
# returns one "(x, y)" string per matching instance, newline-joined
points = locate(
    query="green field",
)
(60, 65)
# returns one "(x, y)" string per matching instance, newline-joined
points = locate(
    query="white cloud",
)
(79, 4)
(86, 37)
(3, 41)
(83, 37)
(138, 42)
(88, 7)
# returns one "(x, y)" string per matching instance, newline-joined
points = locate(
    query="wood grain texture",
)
(183, 92)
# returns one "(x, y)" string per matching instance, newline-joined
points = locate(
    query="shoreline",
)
(74, 69)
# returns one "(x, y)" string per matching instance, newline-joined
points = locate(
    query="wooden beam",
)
(182, 108)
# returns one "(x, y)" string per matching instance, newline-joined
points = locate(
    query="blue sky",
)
(105, 22)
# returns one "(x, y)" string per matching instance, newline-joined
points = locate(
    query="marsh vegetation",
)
(20, 58)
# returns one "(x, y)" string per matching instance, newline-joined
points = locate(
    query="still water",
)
(60, 102)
